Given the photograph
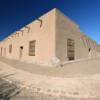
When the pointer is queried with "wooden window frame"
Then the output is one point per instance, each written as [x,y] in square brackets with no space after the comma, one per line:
[32,46]
[10,48]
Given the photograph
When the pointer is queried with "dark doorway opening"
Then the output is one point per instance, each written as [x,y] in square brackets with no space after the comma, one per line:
[21,52]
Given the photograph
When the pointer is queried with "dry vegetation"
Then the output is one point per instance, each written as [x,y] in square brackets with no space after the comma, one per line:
[8,89]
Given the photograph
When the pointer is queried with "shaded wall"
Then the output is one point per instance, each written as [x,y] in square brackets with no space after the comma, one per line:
[67,29]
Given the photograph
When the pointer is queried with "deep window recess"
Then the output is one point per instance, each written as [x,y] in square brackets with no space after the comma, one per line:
[32,48]
[10,48]
[1,51]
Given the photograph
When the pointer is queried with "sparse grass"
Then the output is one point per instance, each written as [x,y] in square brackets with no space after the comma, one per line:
[7,89]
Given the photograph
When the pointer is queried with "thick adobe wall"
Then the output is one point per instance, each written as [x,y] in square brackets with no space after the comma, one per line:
[66,29]
[51,32]
[44,36]
[42,31]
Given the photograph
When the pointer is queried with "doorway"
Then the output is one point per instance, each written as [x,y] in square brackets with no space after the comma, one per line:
[4,52]
[21,52]
[70,49]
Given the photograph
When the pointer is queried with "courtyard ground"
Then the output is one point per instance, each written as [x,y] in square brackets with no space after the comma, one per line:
[72,69]
[79,80]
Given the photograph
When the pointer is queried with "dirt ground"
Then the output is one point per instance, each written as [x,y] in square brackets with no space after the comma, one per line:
[74,69]
[74,80]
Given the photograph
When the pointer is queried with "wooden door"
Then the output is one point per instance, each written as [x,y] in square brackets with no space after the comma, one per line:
[70,49]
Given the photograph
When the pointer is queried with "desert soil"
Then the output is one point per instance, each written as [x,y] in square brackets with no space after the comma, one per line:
[78,79]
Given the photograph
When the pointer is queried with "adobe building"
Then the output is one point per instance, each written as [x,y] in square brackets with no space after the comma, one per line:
[51,39]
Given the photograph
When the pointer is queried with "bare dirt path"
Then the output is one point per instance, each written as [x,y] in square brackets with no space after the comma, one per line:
[75,69]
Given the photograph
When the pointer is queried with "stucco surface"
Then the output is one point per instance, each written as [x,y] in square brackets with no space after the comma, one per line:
[51,32]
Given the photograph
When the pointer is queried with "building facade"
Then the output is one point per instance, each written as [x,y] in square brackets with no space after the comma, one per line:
[49,40]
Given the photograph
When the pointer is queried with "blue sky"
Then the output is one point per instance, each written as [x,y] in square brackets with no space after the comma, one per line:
[14,14]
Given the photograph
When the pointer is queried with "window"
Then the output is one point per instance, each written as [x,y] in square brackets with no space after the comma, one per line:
[1,51]
[10,48]
[32,48]
[5,51]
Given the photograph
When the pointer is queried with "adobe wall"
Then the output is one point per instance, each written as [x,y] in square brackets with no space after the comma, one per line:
[42,32]
[66,29]
[51,32]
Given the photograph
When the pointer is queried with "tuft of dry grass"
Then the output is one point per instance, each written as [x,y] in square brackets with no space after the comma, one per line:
[8,89]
